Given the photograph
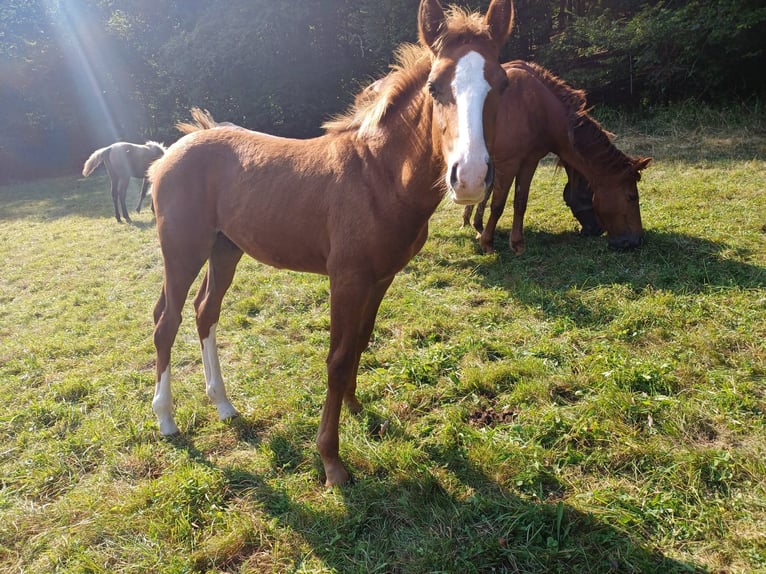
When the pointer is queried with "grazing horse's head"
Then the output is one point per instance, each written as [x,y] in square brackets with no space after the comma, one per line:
[465,82]
[615,201]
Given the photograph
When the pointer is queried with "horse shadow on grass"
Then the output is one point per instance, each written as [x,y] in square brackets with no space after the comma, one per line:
[557,267]
[448,515]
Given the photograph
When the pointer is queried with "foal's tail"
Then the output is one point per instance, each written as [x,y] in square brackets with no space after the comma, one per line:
[203,120]
[95,160]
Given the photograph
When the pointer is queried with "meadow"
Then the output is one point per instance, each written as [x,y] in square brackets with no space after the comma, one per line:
[572,409]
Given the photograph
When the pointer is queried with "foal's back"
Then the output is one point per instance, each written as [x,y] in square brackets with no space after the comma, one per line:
[276,198]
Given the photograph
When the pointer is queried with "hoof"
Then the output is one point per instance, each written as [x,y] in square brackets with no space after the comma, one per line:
[227,411]
[336,475]
[168,428]
[353,405]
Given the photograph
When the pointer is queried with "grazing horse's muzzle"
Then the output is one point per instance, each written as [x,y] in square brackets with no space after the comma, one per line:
[626,242]
[589,222]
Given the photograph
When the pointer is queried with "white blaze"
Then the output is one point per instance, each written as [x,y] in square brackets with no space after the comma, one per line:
[470,153]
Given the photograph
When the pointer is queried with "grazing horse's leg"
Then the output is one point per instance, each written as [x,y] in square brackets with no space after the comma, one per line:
[122,192]
[520,199]
[503,180]
[207,304]
[179,275]
[350,296]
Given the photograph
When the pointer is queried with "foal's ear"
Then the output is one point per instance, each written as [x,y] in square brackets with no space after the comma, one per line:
[431,21]
[499,19]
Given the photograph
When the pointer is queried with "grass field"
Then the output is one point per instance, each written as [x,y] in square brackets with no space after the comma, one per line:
[572,409]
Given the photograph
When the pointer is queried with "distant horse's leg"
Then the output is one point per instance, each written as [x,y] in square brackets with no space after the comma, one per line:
[180,272]
[520,199]
[207,304]
[499,197]
[368,324]
[142,195]
[350,296]
[114,181]
[122,192]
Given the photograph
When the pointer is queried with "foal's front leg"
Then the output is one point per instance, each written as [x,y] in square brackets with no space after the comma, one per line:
[368,324]
[350,297]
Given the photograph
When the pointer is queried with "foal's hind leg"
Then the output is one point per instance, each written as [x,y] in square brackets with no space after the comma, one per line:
[221,267]
[179,275]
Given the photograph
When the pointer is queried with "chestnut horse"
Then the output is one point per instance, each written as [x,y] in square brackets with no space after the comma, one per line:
[353,203]
[540,114]
[122,161]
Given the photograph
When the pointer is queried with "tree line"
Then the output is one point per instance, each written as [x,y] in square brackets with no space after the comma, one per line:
[76,75]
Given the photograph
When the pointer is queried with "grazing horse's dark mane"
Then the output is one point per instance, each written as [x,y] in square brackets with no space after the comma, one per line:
[588,137]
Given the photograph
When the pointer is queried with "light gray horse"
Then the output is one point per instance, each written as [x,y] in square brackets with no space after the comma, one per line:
[122,161]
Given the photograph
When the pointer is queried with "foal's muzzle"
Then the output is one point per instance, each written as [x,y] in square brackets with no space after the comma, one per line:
[479,192]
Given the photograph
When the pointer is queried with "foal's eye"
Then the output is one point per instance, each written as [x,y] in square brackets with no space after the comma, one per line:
[437,91]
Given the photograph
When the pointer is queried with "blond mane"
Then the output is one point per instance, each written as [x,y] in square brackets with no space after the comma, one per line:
[408,74]
[460,23]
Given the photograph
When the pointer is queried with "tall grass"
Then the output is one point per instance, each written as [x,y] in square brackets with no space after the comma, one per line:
[569,410]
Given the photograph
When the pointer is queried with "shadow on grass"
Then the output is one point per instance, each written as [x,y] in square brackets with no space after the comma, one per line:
[559,268]
[66,197]
[419,524]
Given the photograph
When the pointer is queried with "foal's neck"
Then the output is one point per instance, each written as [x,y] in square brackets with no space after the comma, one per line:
[413,148]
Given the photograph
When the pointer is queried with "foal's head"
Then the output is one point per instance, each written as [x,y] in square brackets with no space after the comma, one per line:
[465,83]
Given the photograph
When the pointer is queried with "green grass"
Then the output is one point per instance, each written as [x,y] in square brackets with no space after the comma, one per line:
[569,410]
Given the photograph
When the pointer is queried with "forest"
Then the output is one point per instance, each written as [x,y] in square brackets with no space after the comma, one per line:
[76,75]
